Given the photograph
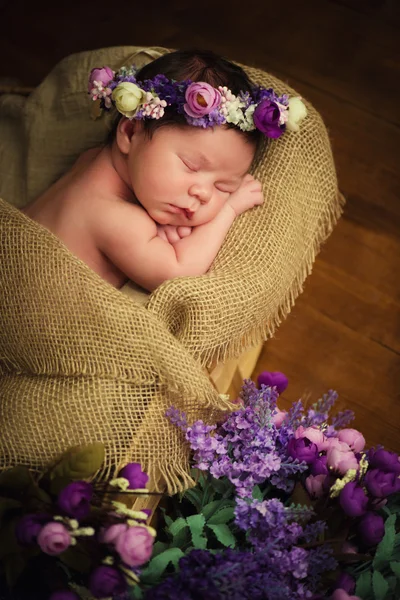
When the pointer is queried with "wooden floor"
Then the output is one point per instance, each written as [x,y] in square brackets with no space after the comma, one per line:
[344,56]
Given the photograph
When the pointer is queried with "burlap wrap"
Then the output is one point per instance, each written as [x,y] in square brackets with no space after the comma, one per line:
[79,360]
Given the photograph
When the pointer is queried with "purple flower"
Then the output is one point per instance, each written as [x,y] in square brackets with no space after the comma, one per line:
[135,546]
[134,474]
[273,379]
[353,499]
[28,528]
[267,119]
[371,529]
[102,75]
[106,581]
[64,595]
[319,466]
[74,499]
[345,582]
[302,449]
[54,538]
[381,484]
[385,460]
[201,99]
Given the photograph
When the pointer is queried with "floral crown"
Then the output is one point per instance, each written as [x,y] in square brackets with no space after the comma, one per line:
[201,104]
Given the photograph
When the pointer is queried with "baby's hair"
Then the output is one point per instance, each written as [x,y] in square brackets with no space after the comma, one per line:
[196,65]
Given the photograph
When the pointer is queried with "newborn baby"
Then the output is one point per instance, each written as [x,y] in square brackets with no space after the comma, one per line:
[157,201]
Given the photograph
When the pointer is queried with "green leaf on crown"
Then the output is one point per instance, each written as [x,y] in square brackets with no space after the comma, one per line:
[79,462]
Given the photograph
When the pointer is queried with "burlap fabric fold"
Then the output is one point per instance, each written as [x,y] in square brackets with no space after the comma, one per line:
[81,361]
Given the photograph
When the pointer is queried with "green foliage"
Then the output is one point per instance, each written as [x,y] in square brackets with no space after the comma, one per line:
[385,549]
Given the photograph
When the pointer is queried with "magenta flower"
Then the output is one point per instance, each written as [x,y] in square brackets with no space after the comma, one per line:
[74,499]
[266,118]
[371,529]
[346,582]
[311,433]
[319,466]
[103,75]
[134,546]
[134,474]
[106,581]
[110,535]
[302,449]
[385,461]
[340,594]
[273,379]
[29,527]
[353,499]
[353,438]
[201,98]
[64,595]
[381,484]
[315,485]
[54,538]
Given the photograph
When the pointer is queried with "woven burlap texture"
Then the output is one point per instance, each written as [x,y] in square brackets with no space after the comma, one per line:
[80,361]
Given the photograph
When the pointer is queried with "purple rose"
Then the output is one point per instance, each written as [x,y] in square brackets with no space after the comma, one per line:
[201,99]
[381,484]
[135,546]
[106,581]
[134,474]
[54,538]
[74,499]
[103,75]
[371,529]
[345,582]
[64,595]
[266,118]
[385,461]
[302,449]
[319,466]
[273,379]
[353,499]
[28,528]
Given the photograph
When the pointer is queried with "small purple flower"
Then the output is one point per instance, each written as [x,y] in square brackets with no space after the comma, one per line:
[385,461]
[273,379]
[64,595]
[381,484]
[28,528]
[302,449]
[267,119]
[345,582]
[74,499]
[319,466]
[106,581]
[353,499]
[102,75]
[54,538]
[201,99]
[371,529]
[134,474]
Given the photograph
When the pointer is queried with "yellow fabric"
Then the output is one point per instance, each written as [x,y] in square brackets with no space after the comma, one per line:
[80,361]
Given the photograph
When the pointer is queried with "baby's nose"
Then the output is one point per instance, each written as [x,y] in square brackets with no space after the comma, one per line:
[201,192]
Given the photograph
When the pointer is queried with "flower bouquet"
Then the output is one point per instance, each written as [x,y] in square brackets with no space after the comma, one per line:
[287,505]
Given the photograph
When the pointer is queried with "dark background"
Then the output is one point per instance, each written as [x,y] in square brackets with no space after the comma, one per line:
[344,56]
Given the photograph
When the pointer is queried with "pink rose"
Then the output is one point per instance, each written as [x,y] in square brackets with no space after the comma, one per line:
[333,442]
[312,433]
[279,417]
[104,75]
[54,538]
[341,461]
[110,534]
[353,438]
[340,594]
[314,485]
[134,546]
[201,99]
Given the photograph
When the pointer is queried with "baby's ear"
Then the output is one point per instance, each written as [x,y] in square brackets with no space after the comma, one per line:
[125,130]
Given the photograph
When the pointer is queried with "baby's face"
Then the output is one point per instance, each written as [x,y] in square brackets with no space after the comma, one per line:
[184,175]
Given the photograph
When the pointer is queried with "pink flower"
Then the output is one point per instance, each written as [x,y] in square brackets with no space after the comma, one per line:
[279,417]
[104,75]
[134,546]
[54,538]
[333,442]
[312,433]
[314,485]
[341,461]
[201,99]
[340,594]
[353,438]
[110,534]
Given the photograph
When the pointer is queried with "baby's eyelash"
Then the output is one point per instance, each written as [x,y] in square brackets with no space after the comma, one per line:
[189,166]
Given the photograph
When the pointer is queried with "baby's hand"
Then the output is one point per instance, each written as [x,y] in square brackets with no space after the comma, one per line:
[172,234]
[248,194]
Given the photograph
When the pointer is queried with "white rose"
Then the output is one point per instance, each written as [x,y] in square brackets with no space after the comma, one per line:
[297,111]
[128,97]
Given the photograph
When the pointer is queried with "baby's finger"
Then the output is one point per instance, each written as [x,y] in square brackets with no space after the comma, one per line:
[184,231]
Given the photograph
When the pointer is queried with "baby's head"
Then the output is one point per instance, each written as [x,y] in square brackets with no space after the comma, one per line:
[183,147]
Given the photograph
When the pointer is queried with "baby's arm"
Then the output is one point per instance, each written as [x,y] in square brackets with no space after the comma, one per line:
[128,237]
